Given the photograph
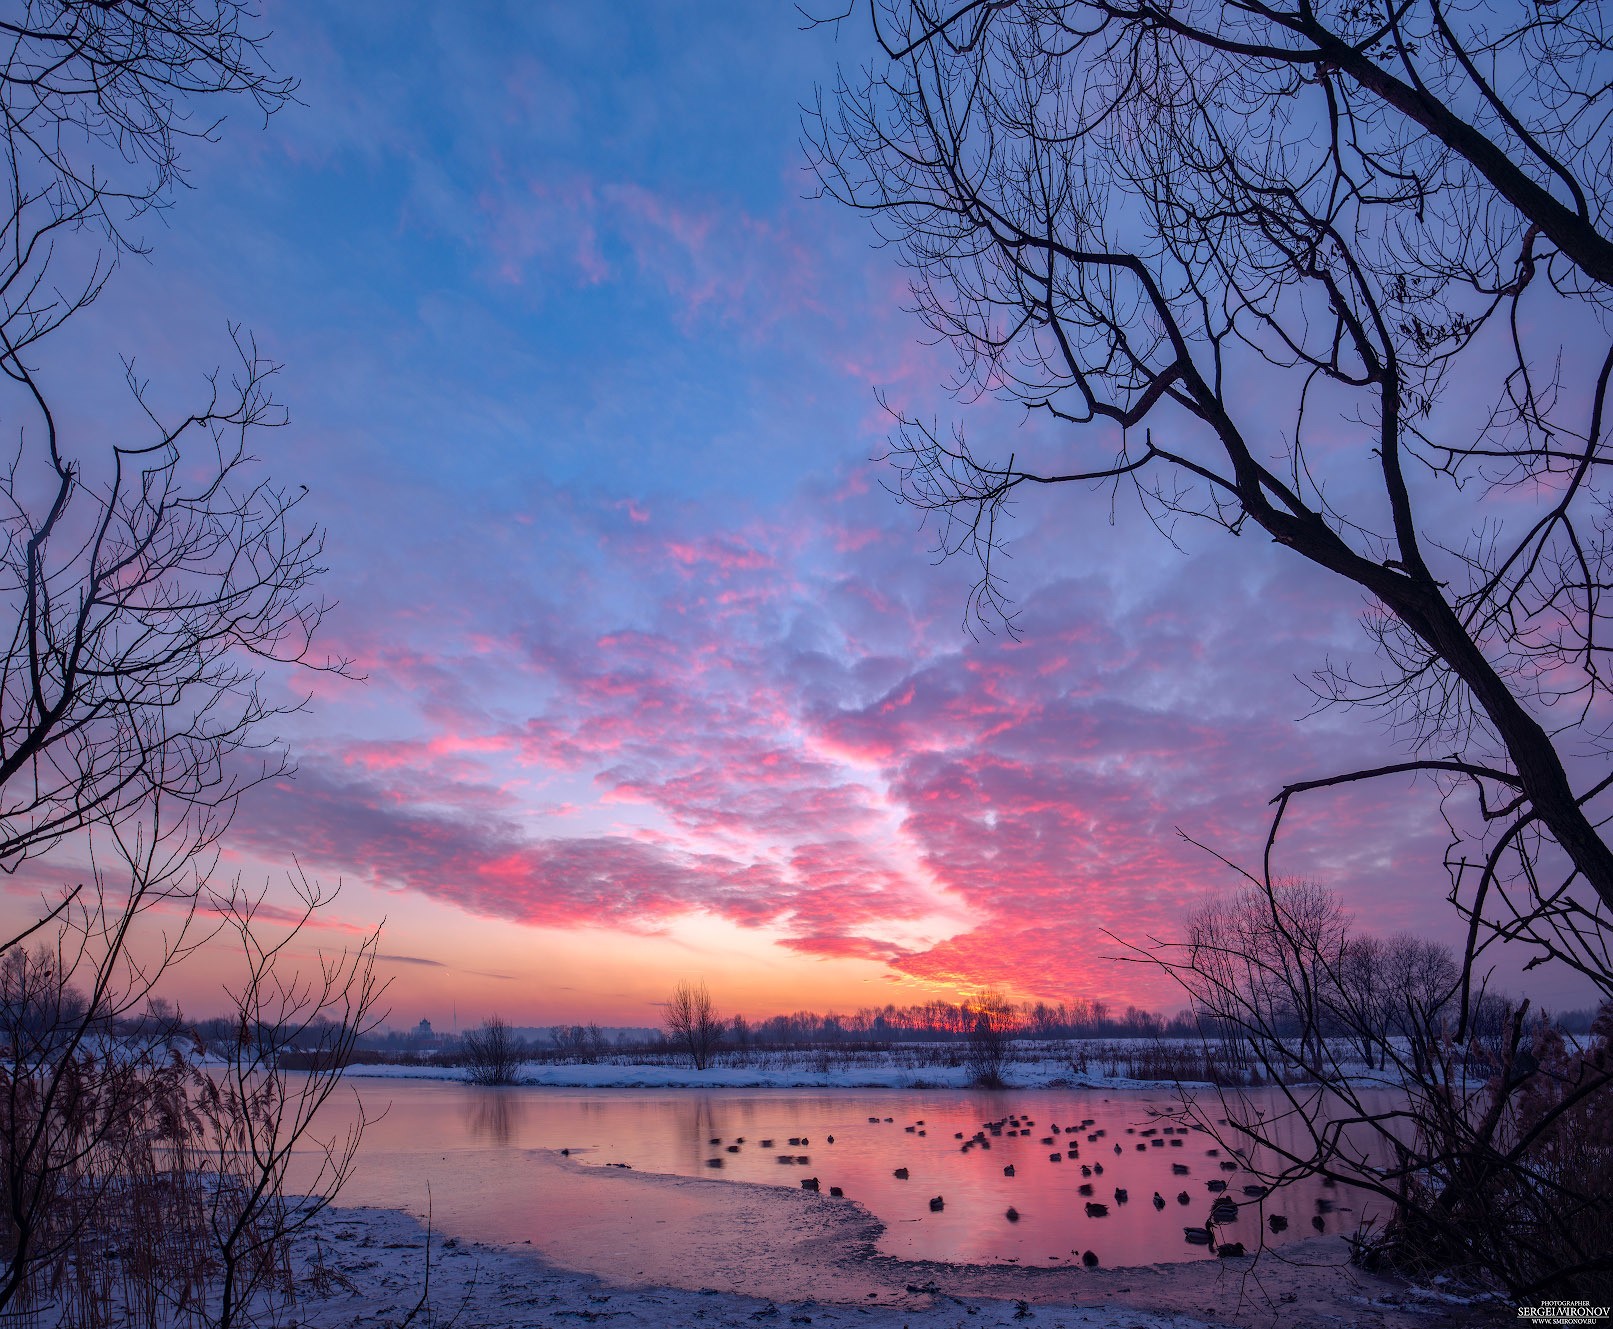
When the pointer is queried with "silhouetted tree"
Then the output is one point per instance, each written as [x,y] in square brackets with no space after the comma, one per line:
[1493,1153]
[257,1115]
[149,577]
[1336,274]
[991,1024]
[578,1042]
[493,1054]
[693,1026]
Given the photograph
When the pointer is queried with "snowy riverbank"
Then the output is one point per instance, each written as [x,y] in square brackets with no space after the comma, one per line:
[1048,1074]
[368,1268]
[1108,1063]
[372,1272]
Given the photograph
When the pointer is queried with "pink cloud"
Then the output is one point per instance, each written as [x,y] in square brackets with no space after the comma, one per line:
[711,258]
[552,221]
[796,737]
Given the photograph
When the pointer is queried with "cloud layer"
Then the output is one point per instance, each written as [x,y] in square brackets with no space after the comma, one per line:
[583,388]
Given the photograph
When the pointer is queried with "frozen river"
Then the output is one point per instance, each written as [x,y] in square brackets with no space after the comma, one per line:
[490,1160]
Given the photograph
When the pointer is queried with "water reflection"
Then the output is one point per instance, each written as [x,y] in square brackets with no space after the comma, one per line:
[494,1116]
[893,1152]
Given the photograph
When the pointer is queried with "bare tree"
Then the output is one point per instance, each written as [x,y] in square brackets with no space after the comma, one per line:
[115,1136]
[1340,274]
[148,581]
[692,1023]
[493,1054]
[258,1115]
[1493,1155]
[70,1087]
[991,1025]
[583,1043]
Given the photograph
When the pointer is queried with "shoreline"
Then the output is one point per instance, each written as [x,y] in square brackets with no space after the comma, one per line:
[371,1273]
[820,1266]
[642,1076]
[1025,1077]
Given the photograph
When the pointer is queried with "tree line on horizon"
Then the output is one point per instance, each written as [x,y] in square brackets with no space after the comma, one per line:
[1364,972]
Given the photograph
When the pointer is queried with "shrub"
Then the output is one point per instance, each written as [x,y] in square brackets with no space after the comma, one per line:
[493,1054]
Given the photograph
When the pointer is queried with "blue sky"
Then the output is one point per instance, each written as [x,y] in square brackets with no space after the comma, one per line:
[660,681]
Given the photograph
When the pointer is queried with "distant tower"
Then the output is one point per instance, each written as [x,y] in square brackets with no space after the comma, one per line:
[423,1029]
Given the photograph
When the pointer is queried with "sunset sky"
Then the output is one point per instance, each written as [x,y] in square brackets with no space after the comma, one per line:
[660,681]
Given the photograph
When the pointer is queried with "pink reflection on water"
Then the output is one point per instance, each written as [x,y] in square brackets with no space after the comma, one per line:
[469,1144]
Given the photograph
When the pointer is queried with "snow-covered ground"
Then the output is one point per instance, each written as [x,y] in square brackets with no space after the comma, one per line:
[1108,1063]
[806,1070]
[367,1269]
[371,1272]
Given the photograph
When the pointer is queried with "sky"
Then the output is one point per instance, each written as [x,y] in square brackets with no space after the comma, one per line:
[659,680]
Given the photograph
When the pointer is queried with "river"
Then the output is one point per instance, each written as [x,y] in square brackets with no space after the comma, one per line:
[489,1163]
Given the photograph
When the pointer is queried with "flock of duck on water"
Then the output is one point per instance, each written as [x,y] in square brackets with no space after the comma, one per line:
[1223,1209]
